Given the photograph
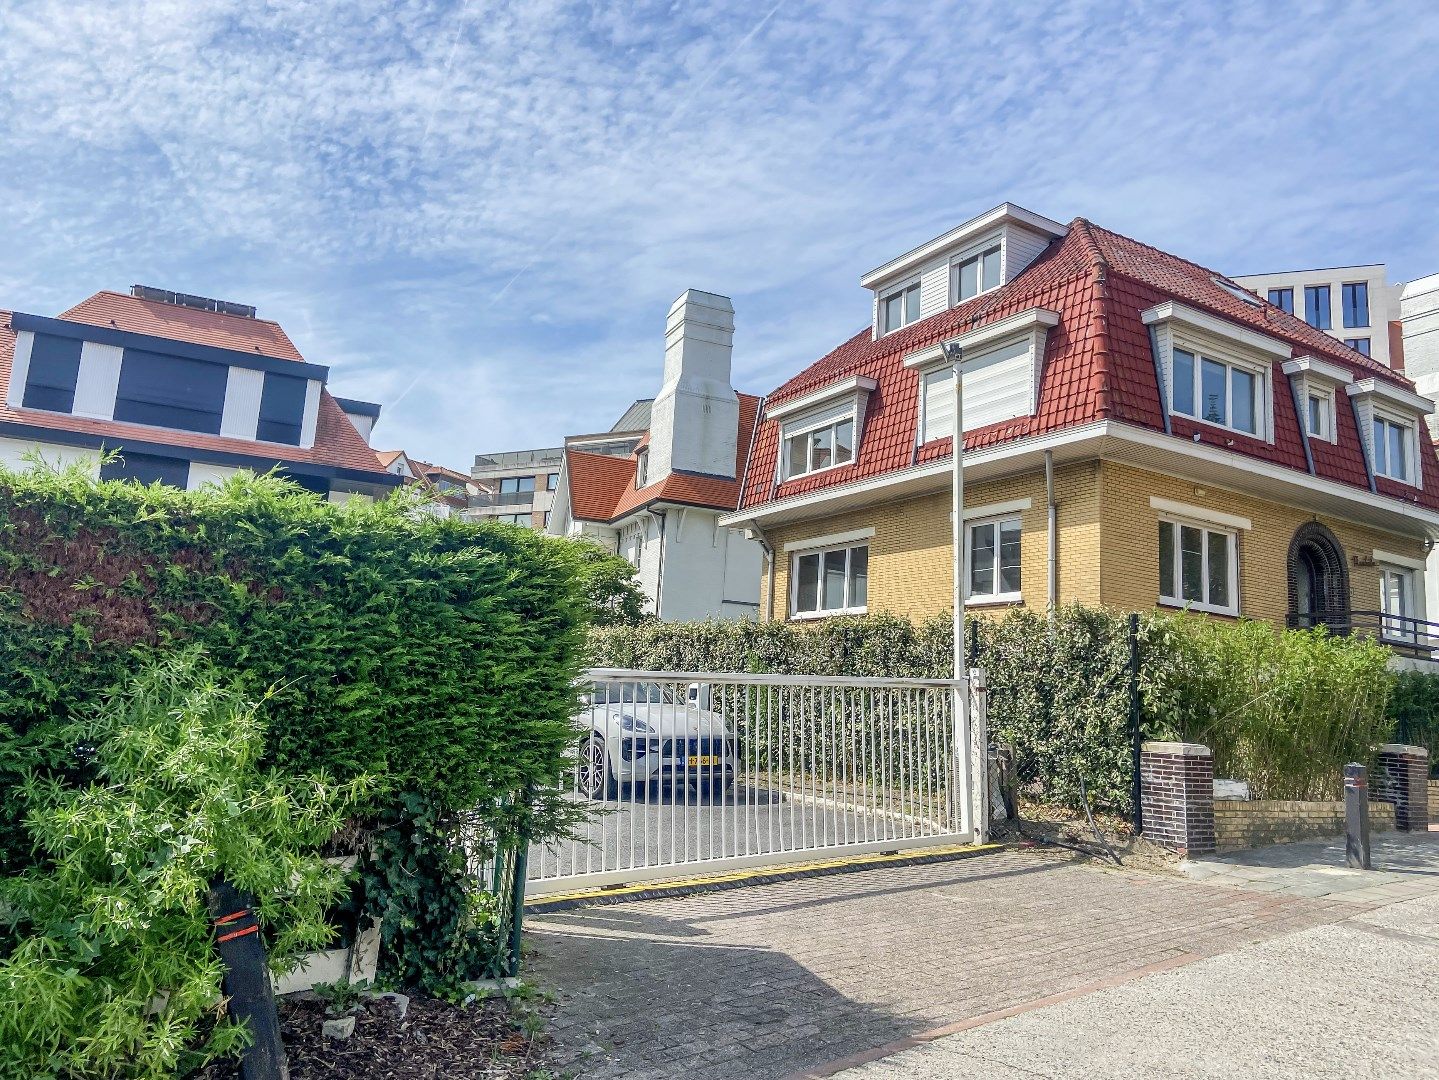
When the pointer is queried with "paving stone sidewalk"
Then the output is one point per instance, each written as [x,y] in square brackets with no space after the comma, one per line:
[1406,865]
[765,981]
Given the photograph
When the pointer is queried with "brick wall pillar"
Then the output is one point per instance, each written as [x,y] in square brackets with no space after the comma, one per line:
[1178,796]
[1401,776]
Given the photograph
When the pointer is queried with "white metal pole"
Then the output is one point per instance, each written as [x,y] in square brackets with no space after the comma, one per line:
[972,806]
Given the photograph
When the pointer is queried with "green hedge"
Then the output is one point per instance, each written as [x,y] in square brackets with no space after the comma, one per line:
[1414,708]
[1059,701]
[435,655]
[1284,710]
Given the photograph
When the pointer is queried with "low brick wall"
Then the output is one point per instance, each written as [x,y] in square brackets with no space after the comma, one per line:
[1434,800]
[1259,823]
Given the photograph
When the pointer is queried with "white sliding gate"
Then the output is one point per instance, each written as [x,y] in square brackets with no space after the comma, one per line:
[695,772]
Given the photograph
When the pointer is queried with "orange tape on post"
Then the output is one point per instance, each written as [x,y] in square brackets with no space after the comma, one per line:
[237,933]
[223,919]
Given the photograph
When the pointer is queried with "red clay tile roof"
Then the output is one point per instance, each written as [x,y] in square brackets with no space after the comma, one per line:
[597,483]
[1098,365]
[337,443]
[125,312]
[603,488]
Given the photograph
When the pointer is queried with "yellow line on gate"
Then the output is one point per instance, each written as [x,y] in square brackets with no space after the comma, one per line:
[755,875]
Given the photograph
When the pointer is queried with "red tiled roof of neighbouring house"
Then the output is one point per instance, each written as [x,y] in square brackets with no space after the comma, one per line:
[159,319]
[1098,365]
[603,488]
[337,443]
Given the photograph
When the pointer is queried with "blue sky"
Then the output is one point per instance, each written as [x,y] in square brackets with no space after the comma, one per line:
[478,214]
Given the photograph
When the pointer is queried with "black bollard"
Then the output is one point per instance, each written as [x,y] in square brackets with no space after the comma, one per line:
[247,982]
[1356,817]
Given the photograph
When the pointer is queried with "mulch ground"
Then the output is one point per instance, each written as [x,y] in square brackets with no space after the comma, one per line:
[480,1041]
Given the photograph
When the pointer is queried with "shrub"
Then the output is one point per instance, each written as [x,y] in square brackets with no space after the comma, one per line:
[437,656]
[108,966]
[1285,711]
[1414,708]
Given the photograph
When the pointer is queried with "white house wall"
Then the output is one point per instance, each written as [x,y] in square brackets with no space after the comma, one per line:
[13,451]
[709,572]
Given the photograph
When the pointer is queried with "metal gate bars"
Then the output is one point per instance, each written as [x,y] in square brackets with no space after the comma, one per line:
[697,772]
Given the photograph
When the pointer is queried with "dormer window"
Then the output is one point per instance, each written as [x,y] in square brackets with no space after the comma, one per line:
[976,274]
[1391,449]
[820,444]
[642,469]
[1214,371]
[1217,391]
[1319,415]
[1389,418]
[900,308]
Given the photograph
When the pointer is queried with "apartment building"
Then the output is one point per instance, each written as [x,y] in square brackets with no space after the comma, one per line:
[518,486]
[656,495]
[187,389]
[1352,304]
[1139,431]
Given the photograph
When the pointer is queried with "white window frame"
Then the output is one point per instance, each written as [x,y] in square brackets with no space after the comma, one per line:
[1397,630]
[905,320]
[1177,600]
[642,469]
[1411,445]
[976,255]
[802,430]
[1328,429]
[925,435]
[849,608]
[1260,372]
[971,598]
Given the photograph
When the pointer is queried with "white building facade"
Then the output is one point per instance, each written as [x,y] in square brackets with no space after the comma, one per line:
[1353,304]
[660,505]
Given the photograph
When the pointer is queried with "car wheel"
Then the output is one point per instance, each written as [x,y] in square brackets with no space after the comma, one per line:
[595,779]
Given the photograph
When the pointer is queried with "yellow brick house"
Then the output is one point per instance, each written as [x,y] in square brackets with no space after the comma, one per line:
[1138,430]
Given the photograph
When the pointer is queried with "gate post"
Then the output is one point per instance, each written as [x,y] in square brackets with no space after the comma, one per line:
[977,690]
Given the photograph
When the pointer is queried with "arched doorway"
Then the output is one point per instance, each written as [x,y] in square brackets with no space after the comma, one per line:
[1318,579]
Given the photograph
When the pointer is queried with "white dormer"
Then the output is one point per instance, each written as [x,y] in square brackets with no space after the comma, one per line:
[1390,421]
[1316,384]
[822,429]
[1002,364]
[970,259]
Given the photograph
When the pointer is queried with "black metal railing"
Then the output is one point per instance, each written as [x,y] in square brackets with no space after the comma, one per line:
[1405,635]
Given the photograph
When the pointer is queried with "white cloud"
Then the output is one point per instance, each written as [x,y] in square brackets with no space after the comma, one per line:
[502,199]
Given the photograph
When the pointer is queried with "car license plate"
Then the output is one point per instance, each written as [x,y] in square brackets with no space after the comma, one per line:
[697,760]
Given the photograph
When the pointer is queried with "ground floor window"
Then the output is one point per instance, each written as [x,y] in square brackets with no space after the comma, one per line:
[1397,601]
[833,581]
[1198,567]
[992,556]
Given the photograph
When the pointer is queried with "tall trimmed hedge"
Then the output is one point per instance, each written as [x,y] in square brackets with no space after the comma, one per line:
[437,656]
[1285,710]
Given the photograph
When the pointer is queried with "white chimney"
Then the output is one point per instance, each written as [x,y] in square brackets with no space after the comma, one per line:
[694,424]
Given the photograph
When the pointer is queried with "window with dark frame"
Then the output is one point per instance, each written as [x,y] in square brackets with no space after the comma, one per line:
[1283,299]
[1358,344]
[1316,307]
[1354,299]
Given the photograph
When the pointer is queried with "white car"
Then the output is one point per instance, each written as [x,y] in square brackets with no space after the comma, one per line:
[641,733]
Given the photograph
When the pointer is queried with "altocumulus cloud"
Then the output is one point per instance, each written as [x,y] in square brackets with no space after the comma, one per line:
[481,211]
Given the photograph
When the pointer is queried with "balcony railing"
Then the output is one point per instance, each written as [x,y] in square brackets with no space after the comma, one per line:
[503,498]
[1407,636]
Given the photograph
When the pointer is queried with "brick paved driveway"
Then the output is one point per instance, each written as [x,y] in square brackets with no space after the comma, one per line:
[764,981]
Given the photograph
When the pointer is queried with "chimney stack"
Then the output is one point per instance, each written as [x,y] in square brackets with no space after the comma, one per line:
[694,424]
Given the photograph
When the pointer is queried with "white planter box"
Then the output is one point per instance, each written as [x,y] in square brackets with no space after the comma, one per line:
[355,964]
